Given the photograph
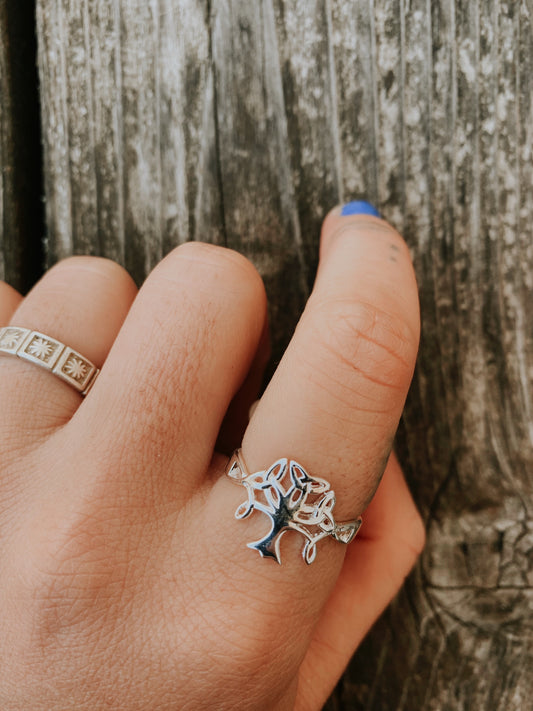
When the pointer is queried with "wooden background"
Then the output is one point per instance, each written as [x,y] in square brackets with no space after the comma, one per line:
[242,122]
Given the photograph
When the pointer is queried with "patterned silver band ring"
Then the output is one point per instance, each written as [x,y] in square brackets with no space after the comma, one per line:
[292,500]
[59,359]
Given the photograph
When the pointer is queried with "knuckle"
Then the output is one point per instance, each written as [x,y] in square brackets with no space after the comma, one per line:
[216,277]
[214,257]
[103,265]
[108,276]
[363,346]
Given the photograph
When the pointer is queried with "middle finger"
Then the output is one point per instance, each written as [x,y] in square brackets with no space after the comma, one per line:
[183,352]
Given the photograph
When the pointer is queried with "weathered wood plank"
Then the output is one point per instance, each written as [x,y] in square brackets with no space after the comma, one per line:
[460,635]
[354,51]
[310,95]
[242,123]
[128,129]
[21,221]
[388,30]
[260,209]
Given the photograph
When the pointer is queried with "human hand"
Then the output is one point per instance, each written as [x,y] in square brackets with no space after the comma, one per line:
[126,579]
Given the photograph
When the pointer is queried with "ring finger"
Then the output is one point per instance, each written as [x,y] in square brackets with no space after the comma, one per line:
[80,302]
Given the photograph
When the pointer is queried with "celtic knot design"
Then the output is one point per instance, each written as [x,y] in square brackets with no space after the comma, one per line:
[292,500]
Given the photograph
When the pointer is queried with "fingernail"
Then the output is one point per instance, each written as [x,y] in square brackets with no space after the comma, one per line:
[359,207]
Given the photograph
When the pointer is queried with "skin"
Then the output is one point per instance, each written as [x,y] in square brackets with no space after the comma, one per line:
[126,580]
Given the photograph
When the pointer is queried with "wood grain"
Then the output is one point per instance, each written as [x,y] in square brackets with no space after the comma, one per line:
[242,123]
[260,213]
[459,635]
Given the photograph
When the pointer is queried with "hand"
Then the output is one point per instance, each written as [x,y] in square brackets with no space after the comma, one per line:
[126,579]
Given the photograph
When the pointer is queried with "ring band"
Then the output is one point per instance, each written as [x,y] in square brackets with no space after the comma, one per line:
[292,500]
[59,359]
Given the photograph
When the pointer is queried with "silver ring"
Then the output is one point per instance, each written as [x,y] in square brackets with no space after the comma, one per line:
[59,359]
[292,500]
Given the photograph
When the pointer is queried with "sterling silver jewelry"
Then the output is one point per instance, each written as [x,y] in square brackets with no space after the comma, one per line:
[59,359]
[292,500]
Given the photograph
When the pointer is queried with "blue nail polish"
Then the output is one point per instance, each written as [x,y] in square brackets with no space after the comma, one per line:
[359,207]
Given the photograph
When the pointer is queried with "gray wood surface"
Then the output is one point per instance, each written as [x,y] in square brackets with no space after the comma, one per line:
[242,123]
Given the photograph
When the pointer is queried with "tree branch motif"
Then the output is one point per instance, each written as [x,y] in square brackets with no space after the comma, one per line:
[303,503]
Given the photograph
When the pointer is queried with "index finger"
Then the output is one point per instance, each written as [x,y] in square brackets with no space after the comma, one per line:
[333,406]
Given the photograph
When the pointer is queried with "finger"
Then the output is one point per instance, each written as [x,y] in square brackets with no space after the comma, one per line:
[80,302]
[9,300]
[341,386]
[181,356]
[374,569]
[333,405]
